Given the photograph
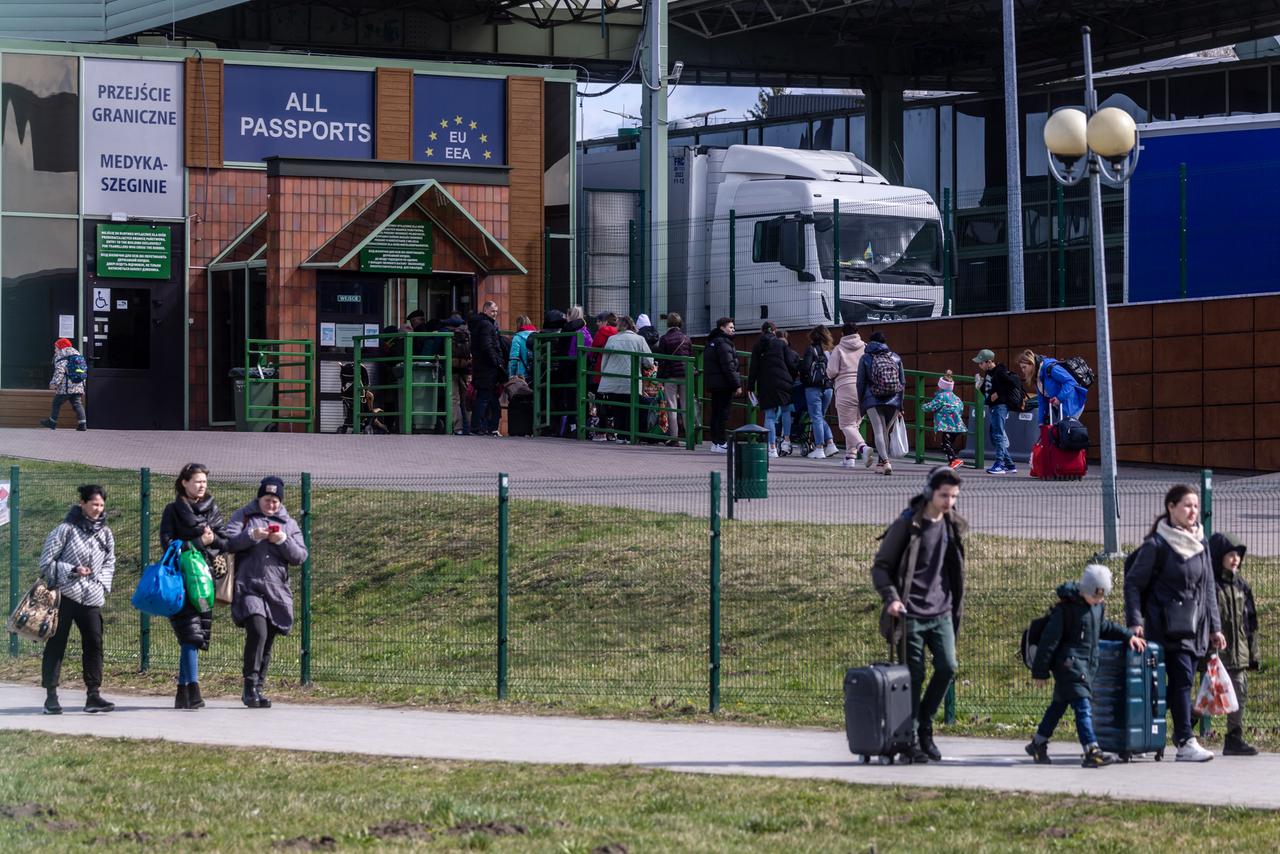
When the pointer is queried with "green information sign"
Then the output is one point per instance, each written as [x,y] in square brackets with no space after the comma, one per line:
[133,252]
[402,247]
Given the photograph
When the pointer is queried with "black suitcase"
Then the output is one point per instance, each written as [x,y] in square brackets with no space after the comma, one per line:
[520,415]
[877,709]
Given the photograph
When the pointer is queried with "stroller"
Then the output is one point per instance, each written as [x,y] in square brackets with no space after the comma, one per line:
[370,422]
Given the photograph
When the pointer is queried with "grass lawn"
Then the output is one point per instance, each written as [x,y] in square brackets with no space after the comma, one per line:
[57,792]
[608,606]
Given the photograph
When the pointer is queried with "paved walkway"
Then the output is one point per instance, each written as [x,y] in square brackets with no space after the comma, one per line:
[693,748]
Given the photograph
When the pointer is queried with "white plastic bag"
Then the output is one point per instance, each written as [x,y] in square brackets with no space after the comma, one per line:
[898,446]
[1217,695]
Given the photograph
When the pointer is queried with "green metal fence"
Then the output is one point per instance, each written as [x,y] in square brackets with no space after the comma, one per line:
[419,378]
[291,382]
[630,593]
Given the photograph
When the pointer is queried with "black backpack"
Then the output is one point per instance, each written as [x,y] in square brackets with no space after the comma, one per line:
[1079,370]
[818,368]
[1070,435]
[1031,635]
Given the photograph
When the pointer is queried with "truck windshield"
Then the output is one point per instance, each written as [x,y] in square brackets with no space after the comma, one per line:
[875,246]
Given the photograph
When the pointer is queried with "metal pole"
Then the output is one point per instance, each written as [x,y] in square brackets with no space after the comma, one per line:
[733,264]
[729,493]
[947,249]
[1013,164]
[15,511]
[304,653]
[1106,412]
[1062,246]
[1182,229]
[835,248]
[1206,501]
[654,154]
[503,580]
[714,680]
[144,558]
[633,267]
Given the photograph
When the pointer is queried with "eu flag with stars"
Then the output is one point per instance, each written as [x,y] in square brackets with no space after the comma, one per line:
[460,121]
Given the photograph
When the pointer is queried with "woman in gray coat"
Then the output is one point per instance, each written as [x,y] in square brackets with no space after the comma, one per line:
[1170,597]
[266,542]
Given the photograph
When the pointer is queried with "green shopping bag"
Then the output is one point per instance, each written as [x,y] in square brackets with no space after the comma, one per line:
[197,579]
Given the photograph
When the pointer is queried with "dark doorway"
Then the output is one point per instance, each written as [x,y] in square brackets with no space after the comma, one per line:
[346,306]
[237,311]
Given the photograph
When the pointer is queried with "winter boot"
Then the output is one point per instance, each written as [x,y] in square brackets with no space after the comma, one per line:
[926,744]
[194,700]
[263,702]
[180,700]
[1039,751]
[1235,745]
[49,422]
[95,703]
[51,704]
[250,695]
[1096,757]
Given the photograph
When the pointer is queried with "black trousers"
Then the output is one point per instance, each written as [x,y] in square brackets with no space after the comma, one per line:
[74,399]
[89,621]
[721,403]
[259,637]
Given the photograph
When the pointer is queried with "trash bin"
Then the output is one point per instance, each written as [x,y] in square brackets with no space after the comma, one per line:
[1022,428]
[750,461]
[263,394]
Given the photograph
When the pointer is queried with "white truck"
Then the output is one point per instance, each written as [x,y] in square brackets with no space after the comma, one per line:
[784,240]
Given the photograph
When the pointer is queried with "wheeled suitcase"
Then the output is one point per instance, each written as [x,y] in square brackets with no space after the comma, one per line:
[1129,700]
[520,415]
[877,709]
[1049,462]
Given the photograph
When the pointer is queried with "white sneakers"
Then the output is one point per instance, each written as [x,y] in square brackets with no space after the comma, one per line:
[816,454]
[786,447]
[773,452]
[830,449]
[1191,751]
[719,449]
[849,463]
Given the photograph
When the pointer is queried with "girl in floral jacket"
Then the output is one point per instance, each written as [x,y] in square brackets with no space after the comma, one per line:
[948,417]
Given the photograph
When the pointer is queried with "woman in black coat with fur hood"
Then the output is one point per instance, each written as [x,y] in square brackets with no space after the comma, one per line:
[193,516]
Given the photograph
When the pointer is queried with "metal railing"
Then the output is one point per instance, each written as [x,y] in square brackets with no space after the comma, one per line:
[404,360]
[293,383]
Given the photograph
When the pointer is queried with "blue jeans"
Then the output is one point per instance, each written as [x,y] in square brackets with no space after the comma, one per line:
[774,417]
[1084,719]
[188,664]
[996,416]
[819,401]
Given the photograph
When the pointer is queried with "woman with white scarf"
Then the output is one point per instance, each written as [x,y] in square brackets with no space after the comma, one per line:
[1170,597]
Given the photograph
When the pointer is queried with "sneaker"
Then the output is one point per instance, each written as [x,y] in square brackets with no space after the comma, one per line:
[49,422]
[997,469]
[51,704]
[1039,751]
[830,449]
[94,703]
[1096,757]
[914,756]
[719,449]
[871,457]
[773,452]
[1235,745]
[816,454]
[1010,468]
[785,447]
[81,427]
[955,464]
[888,469]
[849,463]
[1191,751]
[928,747]
[599,437]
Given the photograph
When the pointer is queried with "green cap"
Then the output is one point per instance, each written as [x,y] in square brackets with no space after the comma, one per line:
[984,356]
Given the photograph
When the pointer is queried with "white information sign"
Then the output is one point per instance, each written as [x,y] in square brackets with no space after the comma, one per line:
[4,503]
[66,325]
[132,120]
[328,335]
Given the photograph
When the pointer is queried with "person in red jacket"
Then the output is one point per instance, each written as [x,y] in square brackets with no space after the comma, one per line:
[607,327]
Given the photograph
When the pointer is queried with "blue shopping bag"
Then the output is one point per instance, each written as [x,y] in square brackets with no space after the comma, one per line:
[160,591]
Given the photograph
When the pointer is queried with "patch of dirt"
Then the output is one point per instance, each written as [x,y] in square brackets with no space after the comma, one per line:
[400,829]
[611,848]
[493,828]
[28,811]
[137,836]
[186,836]
[62,826]
[304,843]
[1056,832]
[909,794]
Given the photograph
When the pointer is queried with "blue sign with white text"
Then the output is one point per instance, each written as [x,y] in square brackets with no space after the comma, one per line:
[296,112]
[461,121]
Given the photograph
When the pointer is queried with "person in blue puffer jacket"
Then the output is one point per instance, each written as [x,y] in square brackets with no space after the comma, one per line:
[1055,384]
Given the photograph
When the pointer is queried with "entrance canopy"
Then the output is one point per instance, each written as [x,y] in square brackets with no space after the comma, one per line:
[416,201]
[247,249]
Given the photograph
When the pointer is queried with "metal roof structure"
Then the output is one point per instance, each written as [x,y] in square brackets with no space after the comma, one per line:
[96,20]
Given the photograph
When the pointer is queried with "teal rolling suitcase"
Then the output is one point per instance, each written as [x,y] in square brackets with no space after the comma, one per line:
[1129,700]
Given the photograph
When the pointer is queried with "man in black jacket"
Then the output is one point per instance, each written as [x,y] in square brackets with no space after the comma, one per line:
[489,369]
[773,371]
[721,379]
[1003,393]
[919,573]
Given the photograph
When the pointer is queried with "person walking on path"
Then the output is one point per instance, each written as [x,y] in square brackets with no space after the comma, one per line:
[919,574]
[488,371]
[818,392]
[79,561]
[881,383]
[948,418]
[195,518]
[1056,385]
[773,370]
[842,368]
[721,379]
[70,370]
[671,372]
[1170,597]
[1003,393]
[266,541]
[1068,650]
[617,370]
[1239,615]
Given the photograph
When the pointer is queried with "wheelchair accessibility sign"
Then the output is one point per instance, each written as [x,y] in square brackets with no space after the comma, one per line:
[102,299]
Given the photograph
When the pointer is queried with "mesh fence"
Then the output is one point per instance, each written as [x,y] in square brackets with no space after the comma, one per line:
[609,597]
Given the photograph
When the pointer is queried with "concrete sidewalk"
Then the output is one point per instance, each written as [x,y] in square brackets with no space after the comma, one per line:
[693,748]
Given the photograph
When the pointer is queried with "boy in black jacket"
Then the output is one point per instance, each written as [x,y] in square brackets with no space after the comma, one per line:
[1069,649]
[1003,392]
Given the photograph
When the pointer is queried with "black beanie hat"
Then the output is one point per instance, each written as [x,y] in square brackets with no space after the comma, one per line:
[271,485]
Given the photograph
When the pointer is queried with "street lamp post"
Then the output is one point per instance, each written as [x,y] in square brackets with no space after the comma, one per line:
[1098,145]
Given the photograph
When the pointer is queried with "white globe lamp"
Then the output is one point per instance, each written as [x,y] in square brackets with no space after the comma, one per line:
[1112,133]
[1066,134]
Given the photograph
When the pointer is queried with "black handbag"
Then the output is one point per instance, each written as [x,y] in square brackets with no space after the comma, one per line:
[1181,619]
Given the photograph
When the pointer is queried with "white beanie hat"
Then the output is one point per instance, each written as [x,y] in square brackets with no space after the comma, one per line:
[1096,580]
[642,321]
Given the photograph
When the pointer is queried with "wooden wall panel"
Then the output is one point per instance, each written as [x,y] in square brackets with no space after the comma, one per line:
[393,114]
[525,156]
[202,93]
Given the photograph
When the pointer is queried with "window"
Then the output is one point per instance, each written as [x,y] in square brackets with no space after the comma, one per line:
[38,290]
[1248,91]
[920,149]
[1198,96]
[722,137]
[858,136]
[1130,97]
[795,135]
[830,134]
[765,246]
[41,114]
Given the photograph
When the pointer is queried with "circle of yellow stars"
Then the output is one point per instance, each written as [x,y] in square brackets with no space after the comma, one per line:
[433,136]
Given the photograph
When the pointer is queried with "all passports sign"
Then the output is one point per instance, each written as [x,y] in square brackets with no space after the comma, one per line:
[403,248]
[132,115]
[297,112]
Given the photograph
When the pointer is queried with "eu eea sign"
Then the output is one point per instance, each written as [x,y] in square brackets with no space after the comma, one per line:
[460,121]
[296,112]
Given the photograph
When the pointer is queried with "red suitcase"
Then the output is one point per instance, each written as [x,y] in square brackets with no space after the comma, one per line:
[1049,462]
